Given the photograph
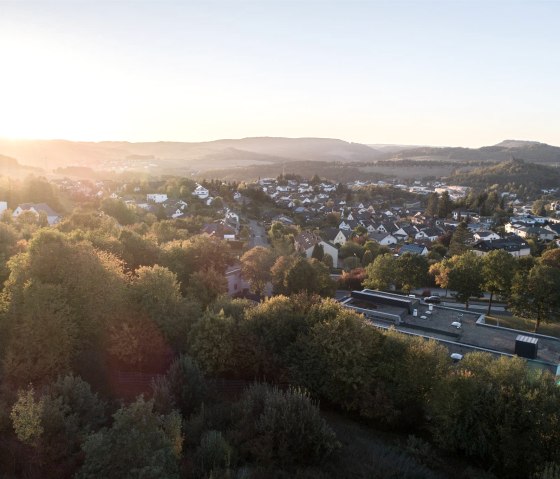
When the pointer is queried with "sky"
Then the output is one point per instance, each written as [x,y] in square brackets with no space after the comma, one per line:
[461,73]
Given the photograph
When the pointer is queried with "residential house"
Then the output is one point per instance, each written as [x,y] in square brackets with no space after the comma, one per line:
[306,241]
[514,245]
[37,208]
[430,233]
[384,239]
[156,197]
[235,282]
[200,192]
[219,230]
[413,248]
[485,236]
[336,236]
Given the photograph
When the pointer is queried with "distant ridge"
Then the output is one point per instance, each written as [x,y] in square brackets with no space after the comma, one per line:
[174,155]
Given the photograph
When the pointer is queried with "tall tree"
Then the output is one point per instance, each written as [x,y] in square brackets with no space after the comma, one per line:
[498,269]
[459,240]
[534,295]
[255,267]
[432,206]
[465,276]
[381,273]
[412,271]
[445,205]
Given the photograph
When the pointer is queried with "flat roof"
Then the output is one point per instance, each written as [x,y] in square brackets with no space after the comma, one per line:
[472,335]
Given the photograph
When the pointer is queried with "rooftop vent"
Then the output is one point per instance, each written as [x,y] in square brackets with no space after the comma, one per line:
[526,346]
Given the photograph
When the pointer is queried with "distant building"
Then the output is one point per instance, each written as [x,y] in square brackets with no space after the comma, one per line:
[201,192]
[306,241]
[514,245]
[156,197]
[37,208]
[413,248]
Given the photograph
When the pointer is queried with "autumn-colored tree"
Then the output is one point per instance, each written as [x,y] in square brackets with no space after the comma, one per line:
[255,268]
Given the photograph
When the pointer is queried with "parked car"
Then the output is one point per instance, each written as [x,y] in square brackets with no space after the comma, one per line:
[433,299]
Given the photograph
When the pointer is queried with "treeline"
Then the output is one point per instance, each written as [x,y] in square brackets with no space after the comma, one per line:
[525,179]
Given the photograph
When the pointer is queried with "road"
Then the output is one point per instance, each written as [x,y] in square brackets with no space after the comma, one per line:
[258,235]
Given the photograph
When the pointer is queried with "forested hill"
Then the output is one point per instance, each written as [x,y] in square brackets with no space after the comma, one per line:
[11,166]
[506,150]
[512,175]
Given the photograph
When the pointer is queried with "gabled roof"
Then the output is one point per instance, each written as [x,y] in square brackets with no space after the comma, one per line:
[306,240]
[39,207]
[412,248]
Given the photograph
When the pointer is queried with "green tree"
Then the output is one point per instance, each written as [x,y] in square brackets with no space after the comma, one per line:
[255,268]
[338,361]
[432,206]
[44,340]
[465,276]
[497,412]
[318,252]
[349,249]
[119,210]
[534,295]
[459,240]
[207,285]
[498,269]
[140,443]
[292,274]
[381,273]
[445,205]
[411,271]
[551,257]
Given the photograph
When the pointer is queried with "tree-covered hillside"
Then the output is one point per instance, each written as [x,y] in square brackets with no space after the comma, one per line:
[517,176]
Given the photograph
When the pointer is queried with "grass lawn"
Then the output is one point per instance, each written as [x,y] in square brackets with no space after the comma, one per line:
[514,322]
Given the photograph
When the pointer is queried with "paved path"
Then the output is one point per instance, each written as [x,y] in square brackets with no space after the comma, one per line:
[258,235]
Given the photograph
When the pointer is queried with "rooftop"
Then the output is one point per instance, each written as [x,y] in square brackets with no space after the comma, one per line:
[436,322]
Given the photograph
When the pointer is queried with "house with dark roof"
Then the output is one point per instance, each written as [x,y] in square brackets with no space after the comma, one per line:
[37,209]
[384,239]
[514,245]
[306,241]
[413,248]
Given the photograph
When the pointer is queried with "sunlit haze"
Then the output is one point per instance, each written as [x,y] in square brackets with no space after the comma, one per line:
[440,73]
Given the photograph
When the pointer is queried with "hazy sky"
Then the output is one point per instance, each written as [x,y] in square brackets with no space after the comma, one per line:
[419,72]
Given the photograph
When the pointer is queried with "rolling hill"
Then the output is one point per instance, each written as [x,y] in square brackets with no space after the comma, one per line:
[231,153]
[511,175]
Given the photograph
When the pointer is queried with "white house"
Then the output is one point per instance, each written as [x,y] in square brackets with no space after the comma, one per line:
[306,242]
[37,208]
[235,283]
[201,192]
[3,206]
[486,236]
[156,197]
[384,239]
